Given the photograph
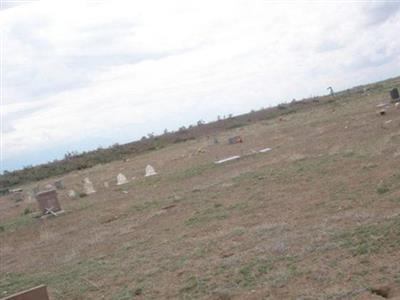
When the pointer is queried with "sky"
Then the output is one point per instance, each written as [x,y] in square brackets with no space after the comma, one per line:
[76,75]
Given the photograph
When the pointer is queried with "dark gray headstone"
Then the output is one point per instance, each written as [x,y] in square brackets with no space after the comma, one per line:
[394,94]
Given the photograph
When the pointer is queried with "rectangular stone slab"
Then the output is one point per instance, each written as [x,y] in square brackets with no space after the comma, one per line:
[227,159]
[48,200]
[36,293]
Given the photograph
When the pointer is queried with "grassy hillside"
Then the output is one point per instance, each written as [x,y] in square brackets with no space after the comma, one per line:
[317,217]
[79,161]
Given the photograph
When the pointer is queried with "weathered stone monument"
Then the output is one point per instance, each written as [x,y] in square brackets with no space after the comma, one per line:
[88,186]
[106,185]
[149,171]
[48,202]
[235,140]
[394,94]
[59,184]
[121,179]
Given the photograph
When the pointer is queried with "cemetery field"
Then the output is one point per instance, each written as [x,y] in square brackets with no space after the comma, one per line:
[317,217]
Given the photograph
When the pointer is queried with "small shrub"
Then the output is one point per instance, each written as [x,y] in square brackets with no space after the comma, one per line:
[183,139]
[138,291]
[82,195]
[382,189]
[238,125]
[27,211]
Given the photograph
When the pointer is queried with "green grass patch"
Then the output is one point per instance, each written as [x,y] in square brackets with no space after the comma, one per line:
[241,206]
[150,204]
[389,184]
[66,283]
[370,238]
[275,270]
[251,273]
[207,215]
[382,189]
[192,171]
[124,294]
[252,176]
[194,286]
[238,125]
[20,221]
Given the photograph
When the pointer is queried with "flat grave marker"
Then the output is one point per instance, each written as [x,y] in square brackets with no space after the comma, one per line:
[36,293]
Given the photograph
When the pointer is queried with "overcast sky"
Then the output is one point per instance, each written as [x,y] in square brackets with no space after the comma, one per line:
[80,74]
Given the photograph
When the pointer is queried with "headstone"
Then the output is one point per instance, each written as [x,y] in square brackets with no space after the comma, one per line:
[36,293]
[235,140]
[72,194]
[106,185]
[59,184]
[121,179]
[150,171]
[394,94]
[48,200]
[88,186]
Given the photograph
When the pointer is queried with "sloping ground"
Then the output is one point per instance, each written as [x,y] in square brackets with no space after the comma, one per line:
[318,217]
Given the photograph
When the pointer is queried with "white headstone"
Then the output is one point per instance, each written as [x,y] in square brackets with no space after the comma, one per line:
[150,171]
[121,179]
[71,194]
[88,186]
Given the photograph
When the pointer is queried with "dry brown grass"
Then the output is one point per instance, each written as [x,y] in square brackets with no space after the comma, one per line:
[315,218]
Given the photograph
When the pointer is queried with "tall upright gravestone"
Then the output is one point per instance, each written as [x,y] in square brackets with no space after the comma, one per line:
[149,171]
[394,94]
[121,179]
[88,186]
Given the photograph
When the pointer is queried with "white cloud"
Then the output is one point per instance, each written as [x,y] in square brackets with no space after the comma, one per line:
[81,70]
